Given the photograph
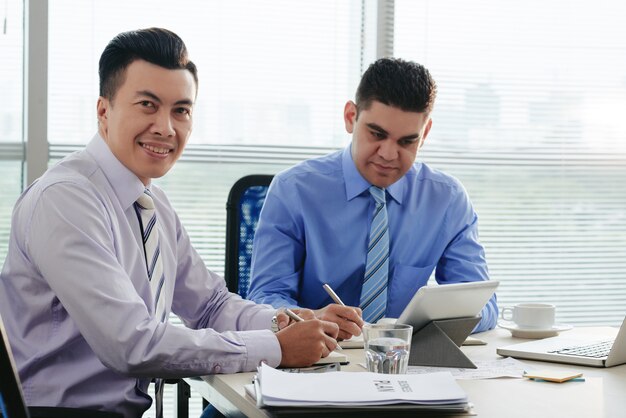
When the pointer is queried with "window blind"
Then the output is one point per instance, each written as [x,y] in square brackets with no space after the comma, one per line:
[270,73]
[11,86]
[528,117]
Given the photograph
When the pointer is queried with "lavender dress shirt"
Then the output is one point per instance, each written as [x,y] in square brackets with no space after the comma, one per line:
[77,304]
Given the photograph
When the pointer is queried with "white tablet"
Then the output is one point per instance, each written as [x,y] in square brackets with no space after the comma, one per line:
[447,301]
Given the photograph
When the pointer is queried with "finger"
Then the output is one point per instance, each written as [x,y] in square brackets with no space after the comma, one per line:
[330,343]
[352,314]
[305,313]
[282,319]
[330,328]
[343,335]
[348,327]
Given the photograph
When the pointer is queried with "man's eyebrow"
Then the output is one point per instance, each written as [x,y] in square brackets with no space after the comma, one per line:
[149,94]
[156,98]
[375,127]
[187,102]
[412,137]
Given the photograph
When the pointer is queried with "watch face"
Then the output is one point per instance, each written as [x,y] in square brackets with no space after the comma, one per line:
[274,324]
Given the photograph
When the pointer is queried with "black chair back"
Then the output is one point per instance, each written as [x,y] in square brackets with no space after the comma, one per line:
[243,208]
[11,398]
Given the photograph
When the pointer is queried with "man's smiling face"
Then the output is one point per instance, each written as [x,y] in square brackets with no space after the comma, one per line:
[148,121]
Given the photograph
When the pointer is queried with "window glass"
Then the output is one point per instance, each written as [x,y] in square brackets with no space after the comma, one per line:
[11,70]
[11,86]
[273,72]
[528,117]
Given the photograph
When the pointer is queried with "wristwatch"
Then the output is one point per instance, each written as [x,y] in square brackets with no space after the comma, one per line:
[274,327]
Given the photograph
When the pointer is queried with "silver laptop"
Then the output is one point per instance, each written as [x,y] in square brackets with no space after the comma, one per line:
[583,350]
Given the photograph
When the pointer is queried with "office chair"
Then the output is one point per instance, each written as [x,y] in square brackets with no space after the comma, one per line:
[243,208]
[11,398]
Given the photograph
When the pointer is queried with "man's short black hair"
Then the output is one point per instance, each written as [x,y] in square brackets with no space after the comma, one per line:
[154,45]
[398,83]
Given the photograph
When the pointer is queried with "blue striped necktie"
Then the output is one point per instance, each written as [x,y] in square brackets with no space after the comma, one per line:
[374,291]
[144,207]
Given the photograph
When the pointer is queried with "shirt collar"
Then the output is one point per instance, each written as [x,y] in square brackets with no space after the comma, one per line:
[356,184]
[125,184]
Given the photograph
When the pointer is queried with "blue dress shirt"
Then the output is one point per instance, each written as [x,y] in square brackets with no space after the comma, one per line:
[314,229]
[77,304]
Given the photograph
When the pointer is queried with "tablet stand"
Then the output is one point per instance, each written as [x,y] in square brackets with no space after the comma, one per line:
[437,343]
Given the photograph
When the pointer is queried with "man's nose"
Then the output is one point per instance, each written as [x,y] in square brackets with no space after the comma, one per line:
[163,125]
[388,150]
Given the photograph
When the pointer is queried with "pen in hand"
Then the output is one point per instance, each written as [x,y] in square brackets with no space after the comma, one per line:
[291,314]
[333,295]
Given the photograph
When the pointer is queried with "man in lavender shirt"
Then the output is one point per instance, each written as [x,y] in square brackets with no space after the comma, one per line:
[74,289]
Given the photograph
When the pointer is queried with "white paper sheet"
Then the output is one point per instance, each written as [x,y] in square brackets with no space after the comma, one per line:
[351,389]
[491,369]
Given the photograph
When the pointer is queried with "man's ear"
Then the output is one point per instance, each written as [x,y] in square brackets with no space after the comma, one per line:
[102,112]
[429,125]
[349,115]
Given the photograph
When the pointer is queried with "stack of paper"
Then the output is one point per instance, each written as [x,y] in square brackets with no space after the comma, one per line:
[346,389]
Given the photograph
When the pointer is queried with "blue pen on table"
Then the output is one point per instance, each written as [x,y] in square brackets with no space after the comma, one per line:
[291,314]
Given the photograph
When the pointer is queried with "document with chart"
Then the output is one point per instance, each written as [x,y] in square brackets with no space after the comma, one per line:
[350,389]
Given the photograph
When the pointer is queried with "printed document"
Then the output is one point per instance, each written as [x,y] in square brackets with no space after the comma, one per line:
[278,388]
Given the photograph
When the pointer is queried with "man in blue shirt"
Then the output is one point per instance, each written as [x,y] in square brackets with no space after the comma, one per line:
[315,224]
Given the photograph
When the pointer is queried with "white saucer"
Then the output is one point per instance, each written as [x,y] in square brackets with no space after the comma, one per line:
[516,331]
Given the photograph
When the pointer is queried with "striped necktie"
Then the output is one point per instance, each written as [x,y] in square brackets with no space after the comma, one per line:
[144,207]
[374,290]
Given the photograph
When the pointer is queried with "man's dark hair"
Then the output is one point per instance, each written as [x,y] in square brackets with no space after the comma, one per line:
[155,45]
[394,82]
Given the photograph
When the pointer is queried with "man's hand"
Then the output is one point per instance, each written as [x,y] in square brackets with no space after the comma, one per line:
[348,318]
[304,343]
[283,320]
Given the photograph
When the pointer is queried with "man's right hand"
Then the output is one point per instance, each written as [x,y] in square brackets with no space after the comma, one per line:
[304,343]
[348,318]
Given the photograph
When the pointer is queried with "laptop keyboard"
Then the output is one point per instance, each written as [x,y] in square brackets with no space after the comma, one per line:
[596,350]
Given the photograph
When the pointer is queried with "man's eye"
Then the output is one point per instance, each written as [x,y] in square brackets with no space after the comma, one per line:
[378,135]
[183,111]
[146,103]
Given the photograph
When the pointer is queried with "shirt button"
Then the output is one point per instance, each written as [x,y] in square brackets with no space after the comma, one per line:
[261,362]
[216,369]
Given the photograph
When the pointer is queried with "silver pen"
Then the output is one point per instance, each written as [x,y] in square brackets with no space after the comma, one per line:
[333,295]
[291,314]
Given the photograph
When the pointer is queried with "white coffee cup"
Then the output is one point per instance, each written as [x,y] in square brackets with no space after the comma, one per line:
[530,315]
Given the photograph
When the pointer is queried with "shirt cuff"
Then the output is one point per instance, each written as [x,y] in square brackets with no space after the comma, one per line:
[262,347]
